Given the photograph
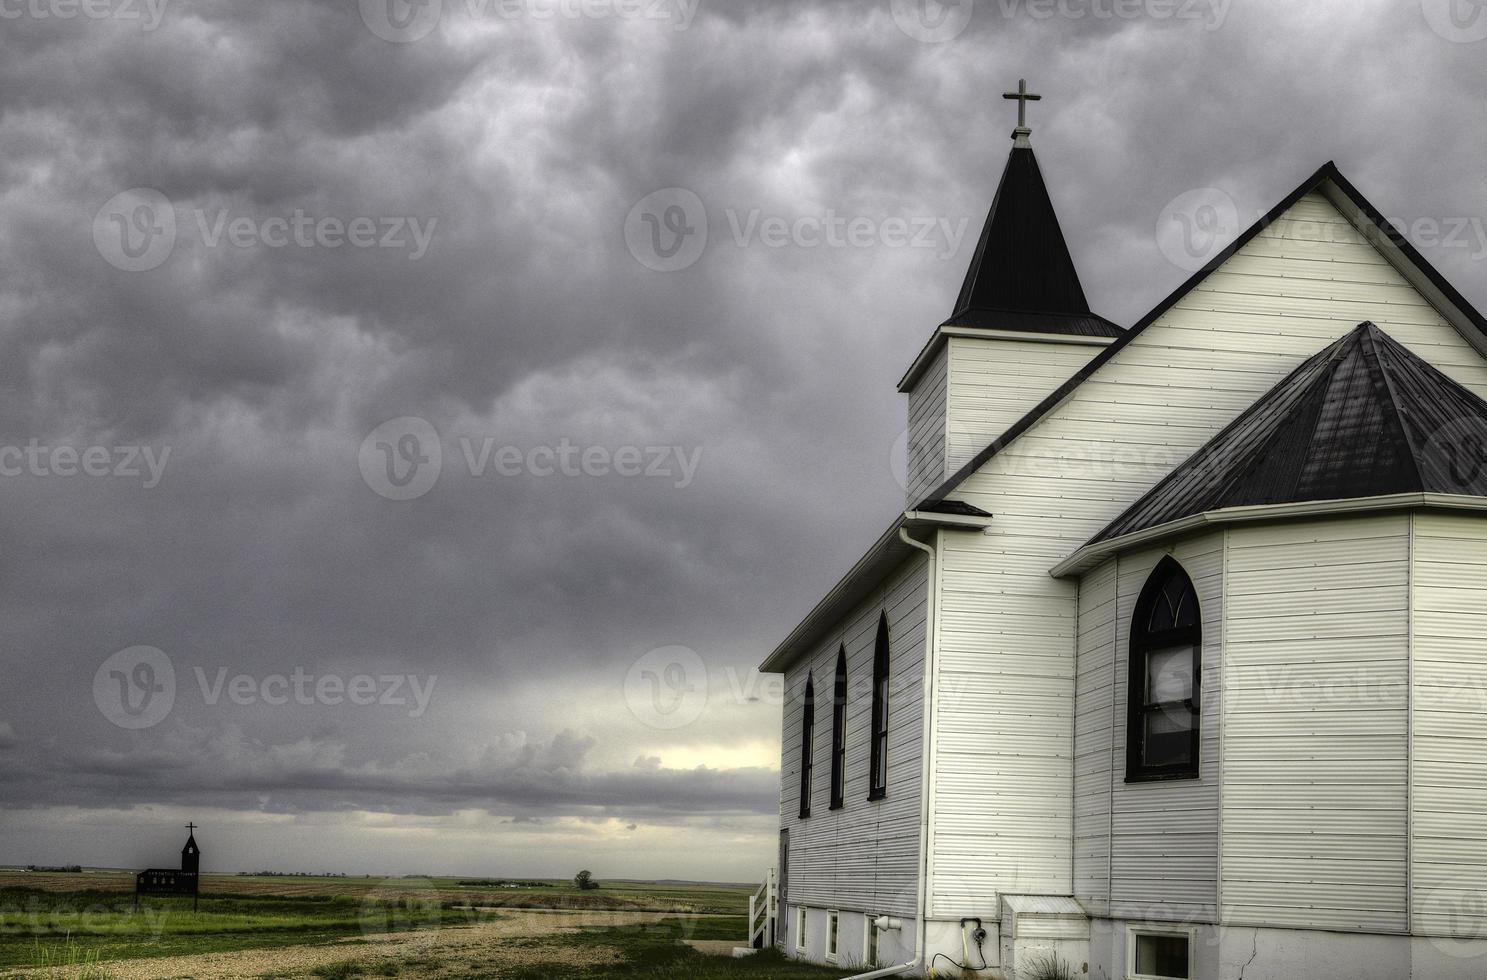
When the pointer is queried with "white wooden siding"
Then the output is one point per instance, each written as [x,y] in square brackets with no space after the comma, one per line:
[972,392]
[1165,861]
[926,445]
[1448,857]
[994,381]
[1008,632]
[1095,715]
[863,857]
[1316,733]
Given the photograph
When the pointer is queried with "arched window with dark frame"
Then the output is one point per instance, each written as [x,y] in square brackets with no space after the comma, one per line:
[879,762]
[807,738]
[839,733]
[1163,694]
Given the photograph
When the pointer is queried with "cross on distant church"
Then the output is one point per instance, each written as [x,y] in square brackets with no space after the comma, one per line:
[1022,97]
[190,827]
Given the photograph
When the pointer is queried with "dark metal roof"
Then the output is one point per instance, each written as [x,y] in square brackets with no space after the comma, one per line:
[1328,174]
[1365,417]
[1022,276]
[957,508]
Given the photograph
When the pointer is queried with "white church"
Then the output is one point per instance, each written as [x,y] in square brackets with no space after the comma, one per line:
[1173,666]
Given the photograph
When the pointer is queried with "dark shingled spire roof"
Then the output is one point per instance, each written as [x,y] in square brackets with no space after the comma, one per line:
[1022,276]
[1364,418]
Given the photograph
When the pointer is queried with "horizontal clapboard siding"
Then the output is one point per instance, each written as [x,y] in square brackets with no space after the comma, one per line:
[1164,834]
[1448,865]
[926,440]
[1003,794]
[1094,737]
[1316,727]
[1009,632]
[994,381]
[863,857]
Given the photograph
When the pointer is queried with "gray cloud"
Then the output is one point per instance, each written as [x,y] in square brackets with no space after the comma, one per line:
[528,322]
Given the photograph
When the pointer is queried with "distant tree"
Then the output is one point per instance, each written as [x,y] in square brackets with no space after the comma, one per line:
[584,881]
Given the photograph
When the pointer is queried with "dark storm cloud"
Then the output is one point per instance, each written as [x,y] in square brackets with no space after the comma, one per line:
[521,144]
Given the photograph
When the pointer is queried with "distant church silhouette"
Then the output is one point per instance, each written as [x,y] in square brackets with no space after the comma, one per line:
[169,881]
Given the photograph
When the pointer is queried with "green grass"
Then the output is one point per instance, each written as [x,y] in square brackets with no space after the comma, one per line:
[105,926]
[89,921]
[654,953]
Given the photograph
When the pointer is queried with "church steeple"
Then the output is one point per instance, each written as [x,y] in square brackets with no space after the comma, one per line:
[1022,277]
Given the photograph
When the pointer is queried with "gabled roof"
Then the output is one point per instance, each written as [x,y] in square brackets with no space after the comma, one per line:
[1365,417]
[1022,276]
[889,552]
[1355,207]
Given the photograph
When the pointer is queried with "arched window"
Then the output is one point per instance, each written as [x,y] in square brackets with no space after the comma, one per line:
[839,733]
[807,735]
[879,783]
[1165,673]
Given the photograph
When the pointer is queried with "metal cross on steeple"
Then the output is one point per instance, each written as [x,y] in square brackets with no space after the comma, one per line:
[1022,96]
[190,827]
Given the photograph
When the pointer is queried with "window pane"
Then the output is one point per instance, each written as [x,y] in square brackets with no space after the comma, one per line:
[1168,737]
[1169,675]
[1162,956]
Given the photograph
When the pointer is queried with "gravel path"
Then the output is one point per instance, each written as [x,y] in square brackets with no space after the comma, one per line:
[488,944]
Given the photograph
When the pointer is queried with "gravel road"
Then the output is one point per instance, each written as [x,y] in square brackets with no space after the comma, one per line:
[443,952]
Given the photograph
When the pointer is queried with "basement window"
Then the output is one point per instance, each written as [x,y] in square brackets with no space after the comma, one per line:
[833,921]
[870,942]
[1159,955]
[800,929]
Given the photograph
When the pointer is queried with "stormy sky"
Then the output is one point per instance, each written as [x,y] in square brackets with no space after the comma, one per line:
[416,421]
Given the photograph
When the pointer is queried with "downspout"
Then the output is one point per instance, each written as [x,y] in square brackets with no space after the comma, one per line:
[921,927]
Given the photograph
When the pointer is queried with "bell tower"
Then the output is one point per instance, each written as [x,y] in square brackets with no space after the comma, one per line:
[191,854]
[1021,326]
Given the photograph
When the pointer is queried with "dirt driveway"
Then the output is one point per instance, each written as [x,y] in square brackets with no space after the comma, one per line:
[490,944]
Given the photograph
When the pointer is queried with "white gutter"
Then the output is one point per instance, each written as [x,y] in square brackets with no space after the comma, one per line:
[1092,554]
[921,928]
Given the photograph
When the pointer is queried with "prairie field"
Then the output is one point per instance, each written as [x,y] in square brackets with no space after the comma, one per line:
[86,925]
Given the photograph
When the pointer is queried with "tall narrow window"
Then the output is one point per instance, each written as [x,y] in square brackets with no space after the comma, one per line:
[1163,694]
[879,768]
[839,733]
[807,736]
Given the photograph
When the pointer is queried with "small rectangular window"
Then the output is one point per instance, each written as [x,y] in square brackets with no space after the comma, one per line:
[1161,956]
[870,944]
[833,920]
[800,929]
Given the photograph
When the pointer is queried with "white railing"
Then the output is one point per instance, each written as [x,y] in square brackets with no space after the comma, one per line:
[764,912]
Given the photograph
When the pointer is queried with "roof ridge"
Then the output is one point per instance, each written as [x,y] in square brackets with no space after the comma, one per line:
[1373,337]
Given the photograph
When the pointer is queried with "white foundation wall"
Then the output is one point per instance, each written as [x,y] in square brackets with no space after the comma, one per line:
[1247,953]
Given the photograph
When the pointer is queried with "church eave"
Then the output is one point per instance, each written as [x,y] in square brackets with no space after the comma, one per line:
[1092,554]
[887,553]
[944,332]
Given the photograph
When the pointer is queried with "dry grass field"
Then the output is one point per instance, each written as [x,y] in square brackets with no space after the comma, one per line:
[85,926]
